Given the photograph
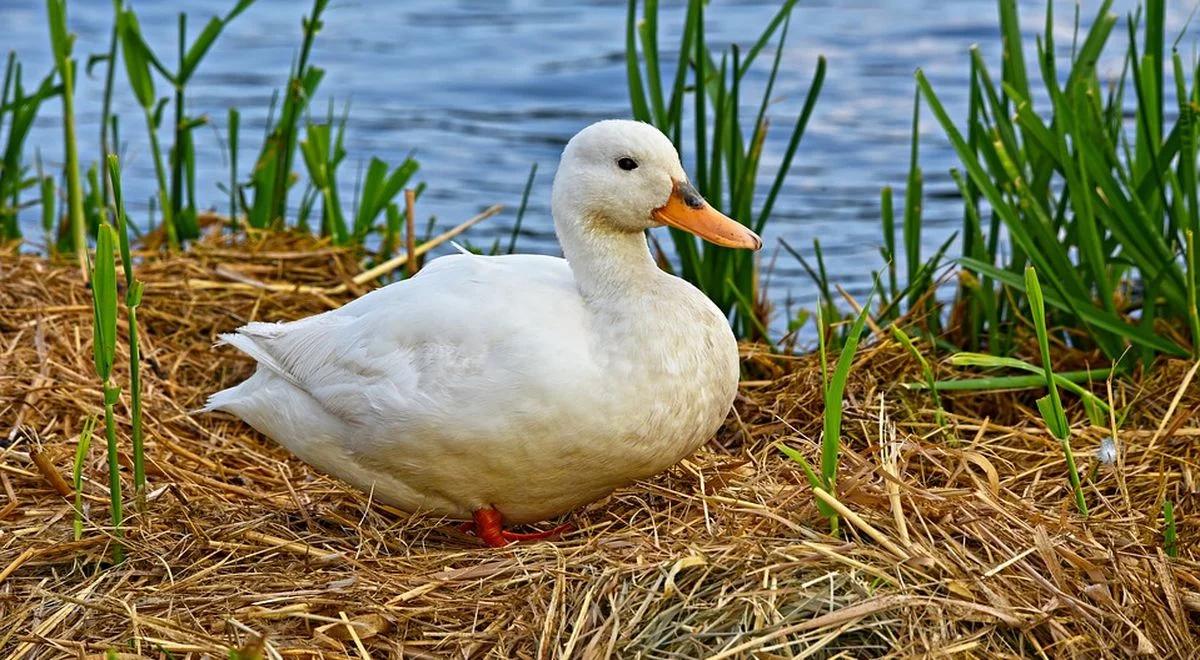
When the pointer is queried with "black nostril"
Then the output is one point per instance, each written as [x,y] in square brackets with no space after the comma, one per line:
[690,196]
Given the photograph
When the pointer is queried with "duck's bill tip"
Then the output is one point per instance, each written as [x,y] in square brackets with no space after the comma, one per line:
[686,209]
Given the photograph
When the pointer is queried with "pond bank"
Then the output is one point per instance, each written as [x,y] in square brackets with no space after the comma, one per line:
[968,546]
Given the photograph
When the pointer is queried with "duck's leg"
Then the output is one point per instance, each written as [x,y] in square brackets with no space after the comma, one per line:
[489,526]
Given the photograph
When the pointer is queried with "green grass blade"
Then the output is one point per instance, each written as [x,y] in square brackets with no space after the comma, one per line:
[205,40]
[1014,71]
[995,383]
[81,450]
[810,102]
[1193,304]
[1051,405]
[699,97]
[61,43]
[648,31]
[633,73]
[137,57]
[49,212]
[926,372]
[114,173]
[1111,323]
[104,302]
[764,37]
[831,439]
[133,298]
[887,215]
[234,125]
[822,351]
[913,195]
[516,230]
[813,479]
[996,361]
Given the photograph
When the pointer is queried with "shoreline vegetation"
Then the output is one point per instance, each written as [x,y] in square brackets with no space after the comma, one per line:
[961,535]
[1007,470]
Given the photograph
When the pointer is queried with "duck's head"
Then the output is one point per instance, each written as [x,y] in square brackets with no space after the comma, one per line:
[625,177]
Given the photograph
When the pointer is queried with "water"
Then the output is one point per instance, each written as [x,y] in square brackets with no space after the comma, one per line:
[478,90]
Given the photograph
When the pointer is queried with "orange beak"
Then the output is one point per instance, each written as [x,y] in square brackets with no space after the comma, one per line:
[686,209]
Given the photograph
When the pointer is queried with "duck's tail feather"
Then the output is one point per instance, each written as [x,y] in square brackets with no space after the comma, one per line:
[244,340]
[219,400]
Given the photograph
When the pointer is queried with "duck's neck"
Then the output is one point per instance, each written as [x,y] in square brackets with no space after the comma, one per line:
[610,266]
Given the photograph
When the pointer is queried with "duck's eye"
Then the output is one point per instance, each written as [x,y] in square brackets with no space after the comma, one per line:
[626,163]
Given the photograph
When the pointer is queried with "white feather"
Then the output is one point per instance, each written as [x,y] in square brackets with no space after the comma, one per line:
[520,382]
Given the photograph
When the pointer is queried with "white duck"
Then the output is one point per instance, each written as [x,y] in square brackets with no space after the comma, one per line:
[512,389]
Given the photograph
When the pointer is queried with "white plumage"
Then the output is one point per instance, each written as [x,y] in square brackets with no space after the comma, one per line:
[528,384]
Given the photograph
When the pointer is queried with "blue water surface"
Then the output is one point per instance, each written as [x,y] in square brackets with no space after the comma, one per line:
[478,90]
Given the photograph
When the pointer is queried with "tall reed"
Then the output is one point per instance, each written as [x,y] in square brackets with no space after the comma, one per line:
[47,200]
[138,58]
[235,120]
[271,178]
[21,109]
[107,118]
[920,273]
[61,42]
[112,244]
[89,197]
[1100,206]
[725,156]
[323,151]
[104,348]
[179,215]
[133,298]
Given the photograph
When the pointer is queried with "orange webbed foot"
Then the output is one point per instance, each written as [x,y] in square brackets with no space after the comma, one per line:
[488,525]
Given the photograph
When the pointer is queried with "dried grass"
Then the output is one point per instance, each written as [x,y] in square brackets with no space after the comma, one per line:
[950,550]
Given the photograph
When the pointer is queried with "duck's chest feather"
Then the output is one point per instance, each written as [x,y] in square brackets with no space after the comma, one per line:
[554,415]
[672,370]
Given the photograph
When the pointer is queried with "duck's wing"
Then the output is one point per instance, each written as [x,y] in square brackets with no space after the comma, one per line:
[421,350]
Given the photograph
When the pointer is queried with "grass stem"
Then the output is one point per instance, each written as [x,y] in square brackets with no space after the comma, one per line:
[81,452]
[104,342]
[133,298]
[1051,405]
[61,42]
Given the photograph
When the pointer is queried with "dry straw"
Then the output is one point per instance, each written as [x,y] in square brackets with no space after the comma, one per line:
[973,549]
